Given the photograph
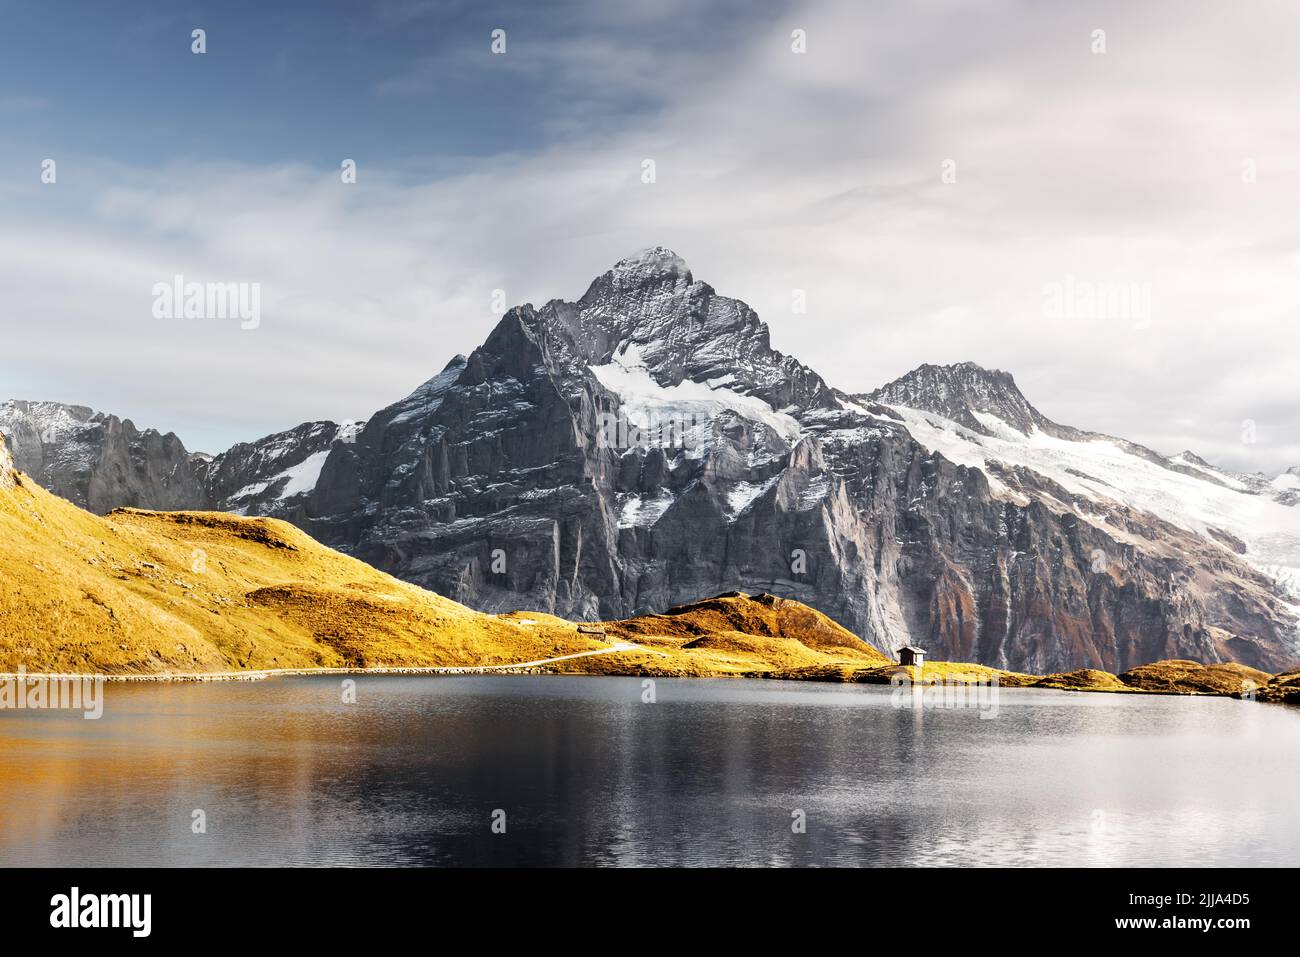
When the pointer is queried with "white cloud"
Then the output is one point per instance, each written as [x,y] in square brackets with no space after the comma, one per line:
[775,171]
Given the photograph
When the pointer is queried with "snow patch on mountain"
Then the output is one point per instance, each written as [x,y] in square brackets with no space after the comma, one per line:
[647,404]
[1288,481]
[743,494]
[303,476]
[1192,461]
[1104,472]
[644,510]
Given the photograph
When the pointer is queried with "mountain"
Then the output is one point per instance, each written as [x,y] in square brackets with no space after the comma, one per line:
[99,461]
[183,594]
[1283,488]
[274,475]
[645,444]
[966,394]
[495,480]
[731,466]
[139,592]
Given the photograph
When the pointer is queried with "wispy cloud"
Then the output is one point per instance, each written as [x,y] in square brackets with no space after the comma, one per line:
[775,171]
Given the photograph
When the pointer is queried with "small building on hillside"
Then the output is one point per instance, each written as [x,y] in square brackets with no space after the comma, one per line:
[911,655]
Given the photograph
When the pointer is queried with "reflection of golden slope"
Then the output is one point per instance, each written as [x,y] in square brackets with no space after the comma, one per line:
[138,592]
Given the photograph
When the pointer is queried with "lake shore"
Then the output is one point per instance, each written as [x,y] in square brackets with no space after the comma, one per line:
[1171,677]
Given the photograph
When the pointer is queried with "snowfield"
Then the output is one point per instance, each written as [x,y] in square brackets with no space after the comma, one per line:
[1104,471]
[1181,490]
[647,403]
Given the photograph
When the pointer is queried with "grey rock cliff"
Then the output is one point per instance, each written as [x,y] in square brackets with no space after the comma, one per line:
[99,461]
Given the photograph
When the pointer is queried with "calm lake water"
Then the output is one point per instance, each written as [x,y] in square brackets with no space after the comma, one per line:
[709,774]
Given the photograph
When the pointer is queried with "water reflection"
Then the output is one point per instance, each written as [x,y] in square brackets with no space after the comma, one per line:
[285,772]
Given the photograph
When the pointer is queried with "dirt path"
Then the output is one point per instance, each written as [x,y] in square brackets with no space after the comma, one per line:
[259,675]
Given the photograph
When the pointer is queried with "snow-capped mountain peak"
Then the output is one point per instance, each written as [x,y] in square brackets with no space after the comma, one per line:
[681,330]
[965,393]
[653,265]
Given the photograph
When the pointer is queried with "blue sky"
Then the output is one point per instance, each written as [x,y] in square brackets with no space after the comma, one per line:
[411,81]
[776,171]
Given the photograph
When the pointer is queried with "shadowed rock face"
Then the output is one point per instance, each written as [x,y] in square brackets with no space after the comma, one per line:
[98,461]
[8,477]
[101,462]
[501,484]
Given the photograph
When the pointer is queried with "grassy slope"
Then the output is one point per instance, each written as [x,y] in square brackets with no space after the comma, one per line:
[150,592]
[1283,688]
[732,635]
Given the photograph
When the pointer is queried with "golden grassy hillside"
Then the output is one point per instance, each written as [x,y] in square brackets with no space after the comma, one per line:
[1283,688]
[147,592]
[137,592]
[1083,679]
[731,635]
[1177,676]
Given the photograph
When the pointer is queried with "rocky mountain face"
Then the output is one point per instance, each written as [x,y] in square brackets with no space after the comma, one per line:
[100,462]
[645,445]
[274,475]
[8,474]
[964,393]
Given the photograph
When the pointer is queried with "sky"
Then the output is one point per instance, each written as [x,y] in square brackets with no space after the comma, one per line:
[1112,217]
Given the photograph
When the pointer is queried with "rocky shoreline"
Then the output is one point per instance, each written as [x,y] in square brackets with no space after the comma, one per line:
[1171,677]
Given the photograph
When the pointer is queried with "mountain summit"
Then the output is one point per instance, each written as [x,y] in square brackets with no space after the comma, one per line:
[649,305]
[653,265]
[965,393]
